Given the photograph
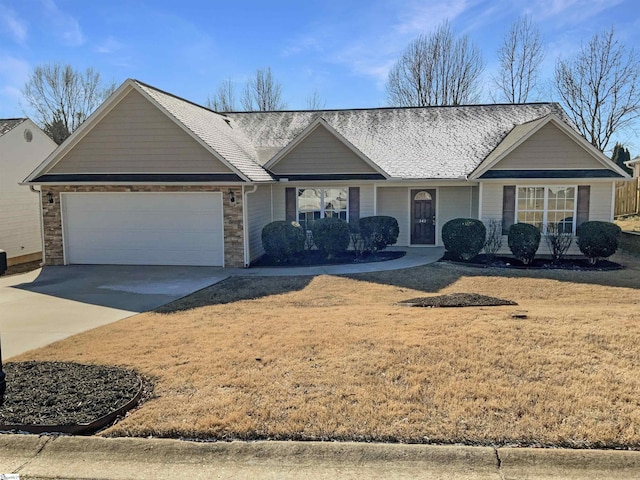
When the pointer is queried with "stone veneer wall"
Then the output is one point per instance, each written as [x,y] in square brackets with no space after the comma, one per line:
[232,214]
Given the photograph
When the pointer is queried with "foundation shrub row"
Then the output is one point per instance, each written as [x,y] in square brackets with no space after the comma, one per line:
[284,240]
[465,238]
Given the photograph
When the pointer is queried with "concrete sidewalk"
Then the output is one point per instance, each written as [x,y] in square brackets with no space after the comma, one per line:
[414,257]
[87,458]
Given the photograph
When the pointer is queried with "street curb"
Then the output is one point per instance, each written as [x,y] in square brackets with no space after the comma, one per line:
[69,457]
[547,463]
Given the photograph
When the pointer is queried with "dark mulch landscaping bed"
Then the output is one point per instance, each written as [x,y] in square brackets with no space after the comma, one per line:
[23,268]
[65,394]
[538,263]
[312,258]
[457,300]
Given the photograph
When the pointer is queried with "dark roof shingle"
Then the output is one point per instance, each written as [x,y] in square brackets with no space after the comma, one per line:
[8,124]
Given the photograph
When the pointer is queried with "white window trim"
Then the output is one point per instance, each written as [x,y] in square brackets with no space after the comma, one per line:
[545,210]
[322,210]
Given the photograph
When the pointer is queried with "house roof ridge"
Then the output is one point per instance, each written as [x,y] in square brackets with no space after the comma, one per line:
[426,107]
[177,97]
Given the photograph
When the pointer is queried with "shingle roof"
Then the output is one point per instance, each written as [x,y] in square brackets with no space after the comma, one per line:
[8,124]
[411,143]
[218,132]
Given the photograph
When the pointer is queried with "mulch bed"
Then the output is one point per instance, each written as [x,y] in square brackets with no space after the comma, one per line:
[313,258]
[65,393]
[457,300]
[22,268]
[578,264]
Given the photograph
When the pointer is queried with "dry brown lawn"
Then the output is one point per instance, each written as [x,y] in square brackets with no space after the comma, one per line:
[629,224]
[336,358]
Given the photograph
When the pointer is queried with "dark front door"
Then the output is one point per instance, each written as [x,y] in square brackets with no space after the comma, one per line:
[423,217]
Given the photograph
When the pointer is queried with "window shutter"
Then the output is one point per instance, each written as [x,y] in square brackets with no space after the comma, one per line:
[290,199]
[354,204]
[508,207]
[582,212]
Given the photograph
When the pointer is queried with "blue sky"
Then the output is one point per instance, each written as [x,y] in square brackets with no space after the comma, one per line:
[340,48]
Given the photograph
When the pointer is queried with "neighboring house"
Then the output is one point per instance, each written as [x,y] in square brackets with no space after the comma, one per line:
[151,178]
[634,164]
[23,146]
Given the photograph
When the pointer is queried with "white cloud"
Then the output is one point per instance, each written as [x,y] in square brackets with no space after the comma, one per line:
[424,16]
[10,22]
[110,45]
[14,73]
[66,27]
[374,53]
[568,12]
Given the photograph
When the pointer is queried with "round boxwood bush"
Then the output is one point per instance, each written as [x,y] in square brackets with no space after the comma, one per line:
[378,231]
[464,237]
[524,240]
[282,240]
[331,235]
[598,239]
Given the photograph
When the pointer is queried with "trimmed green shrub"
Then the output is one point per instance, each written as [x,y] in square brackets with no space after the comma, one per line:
[378,232]
[598,239]
[464,237]
[331,235]
[282,240]
[524,240]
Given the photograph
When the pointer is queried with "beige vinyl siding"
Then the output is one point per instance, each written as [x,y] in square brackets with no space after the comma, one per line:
[492,201]
[321,152]
[453,202]
[394,202]
[20,233]
[259,214]
[136,137]
[549,148]
[367,200]
[278,199]
[600,202]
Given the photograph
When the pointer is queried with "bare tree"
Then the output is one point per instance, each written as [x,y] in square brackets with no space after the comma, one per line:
[263,93]
[520,57]
[599,88]
[62,97]
[436,70]
[315,101]
[225,98]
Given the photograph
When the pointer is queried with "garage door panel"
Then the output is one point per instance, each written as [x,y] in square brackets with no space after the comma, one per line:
[143,228]
[132,239]
[145,257]
[159,221]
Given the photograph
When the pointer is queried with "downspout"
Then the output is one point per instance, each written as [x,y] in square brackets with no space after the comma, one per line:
[245,223]
[39,192]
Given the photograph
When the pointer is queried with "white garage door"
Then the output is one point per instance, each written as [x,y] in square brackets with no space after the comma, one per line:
[143,228]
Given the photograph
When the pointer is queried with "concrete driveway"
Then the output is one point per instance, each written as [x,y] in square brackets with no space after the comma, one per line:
[52,303]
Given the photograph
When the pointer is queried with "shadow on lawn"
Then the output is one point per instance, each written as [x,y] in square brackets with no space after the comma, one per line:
[428,278]
[235,289]
[432,278]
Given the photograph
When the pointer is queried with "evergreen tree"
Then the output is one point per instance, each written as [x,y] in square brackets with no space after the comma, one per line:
[621,155]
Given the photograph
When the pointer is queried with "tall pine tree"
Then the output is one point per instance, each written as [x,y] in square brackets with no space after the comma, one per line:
[621,155]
